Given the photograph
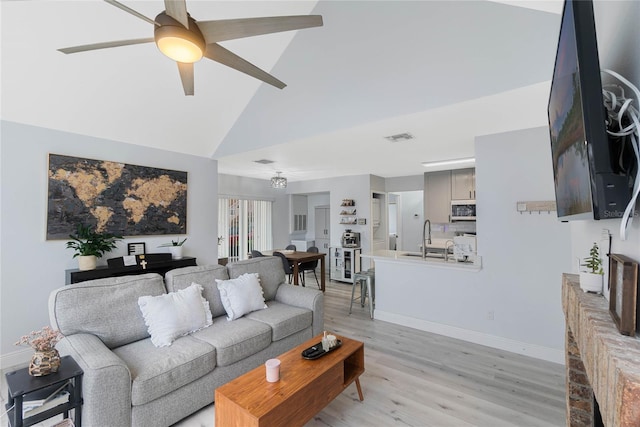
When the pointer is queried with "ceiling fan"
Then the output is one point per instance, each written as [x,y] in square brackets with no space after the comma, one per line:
[185,40]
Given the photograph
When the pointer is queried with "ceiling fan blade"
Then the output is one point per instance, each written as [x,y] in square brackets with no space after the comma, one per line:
[229,29]
[131,11]
[186,75]
[104,45]
[177,9]
[219,54]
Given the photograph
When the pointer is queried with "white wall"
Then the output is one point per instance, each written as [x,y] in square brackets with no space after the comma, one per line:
[618,36]
[32,266]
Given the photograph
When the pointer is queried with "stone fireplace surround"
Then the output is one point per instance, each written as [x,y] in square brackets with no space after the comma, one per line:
[600,361]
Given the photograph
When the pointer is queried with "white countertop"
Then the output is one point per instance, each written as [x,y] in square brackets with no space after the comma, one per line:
[415,258]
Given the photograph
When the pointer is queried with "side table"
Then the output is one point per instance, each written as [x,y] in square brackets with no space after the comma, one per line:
[22,385]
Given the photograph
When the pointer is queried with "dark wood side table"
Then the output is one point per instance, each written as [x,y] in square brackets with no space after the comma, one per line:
[22,385]
[76,276]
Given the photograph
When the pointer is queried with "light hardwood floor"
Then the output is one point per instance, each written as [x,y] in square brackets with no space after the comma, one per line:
[415,378]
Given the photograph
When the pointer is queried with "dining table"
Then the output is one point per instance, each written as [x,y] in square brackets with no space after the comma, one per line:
[298,257]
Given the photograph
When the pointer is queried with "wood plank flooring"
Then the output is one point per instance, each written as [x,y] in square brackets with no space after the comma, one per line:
[414,378]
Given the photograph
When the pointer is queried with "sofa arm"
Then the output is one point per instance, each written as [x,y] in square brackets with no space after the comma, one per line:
[311,299]
[106,383]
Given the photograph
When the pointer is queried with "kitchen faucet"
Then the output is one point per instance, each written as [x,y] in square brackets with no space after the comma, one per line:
[425,240]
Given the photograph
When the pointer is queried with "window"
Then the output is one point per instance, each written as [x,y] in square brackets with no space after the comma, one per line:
[244,225]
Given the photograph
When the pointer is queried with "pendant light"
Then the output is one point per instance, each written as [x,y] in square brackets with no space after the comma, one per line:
[278,181]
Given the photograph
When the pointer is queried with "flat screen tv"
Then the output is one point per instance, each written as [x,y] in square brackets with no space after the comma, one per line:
[588,185]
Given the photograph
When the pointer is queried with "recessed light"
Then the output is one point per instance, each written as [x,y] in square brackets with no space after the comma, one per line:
[400,137]
[452,162]
[264,161]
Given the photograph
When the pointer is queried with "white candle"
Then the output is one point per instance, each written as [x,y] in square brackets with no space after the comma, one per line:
[273,370]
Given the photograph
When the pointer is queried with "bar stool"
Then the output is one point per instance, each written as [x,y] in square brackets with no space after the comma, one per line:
[366,280]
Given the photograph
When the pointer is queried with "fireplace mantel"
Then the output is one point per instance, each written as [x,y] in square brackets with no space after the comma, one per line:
[611,361]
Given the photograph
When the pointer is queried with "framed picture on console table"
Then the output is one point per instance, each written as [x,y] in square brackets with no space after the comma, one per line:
[623,300]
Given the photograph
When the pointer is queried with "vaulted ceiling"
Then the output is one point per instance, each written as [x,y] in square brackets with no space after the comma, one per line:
[444,71]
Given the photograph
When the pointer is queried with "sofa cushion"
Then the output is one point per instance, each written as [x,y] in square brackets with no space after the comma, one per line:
[175,314]
[106,308]
[235,340]
[283,319]
[204,275]
[241,295]
[269,269]
[159,371]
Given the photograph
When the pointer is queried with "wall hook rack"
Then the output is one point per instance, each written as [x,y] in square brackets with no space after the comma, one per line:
[536,206]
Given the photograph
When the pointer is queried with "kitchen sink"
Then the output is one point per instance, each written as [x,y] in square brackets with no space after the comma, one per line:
[429,255]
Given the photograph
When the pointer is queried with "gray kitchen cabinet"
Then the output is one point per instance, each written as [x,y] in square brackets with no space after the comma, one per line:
[437,196]
[463,184]
[322,229]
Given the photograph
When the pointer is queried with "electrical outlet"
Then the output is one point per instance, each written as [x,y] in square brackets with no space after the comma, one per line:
[490,315]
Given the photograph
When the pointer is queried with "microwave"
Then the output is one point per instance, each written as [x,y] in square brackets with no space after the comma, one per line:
[463,210]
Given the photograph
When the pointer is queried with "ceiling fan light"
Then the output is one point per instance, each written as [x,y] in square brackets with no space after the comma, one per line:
[180,49]
[177,42]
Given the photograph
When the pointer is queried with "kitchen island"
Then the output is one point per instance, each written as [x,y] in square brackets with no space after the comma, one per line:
[434,295]
[432,260]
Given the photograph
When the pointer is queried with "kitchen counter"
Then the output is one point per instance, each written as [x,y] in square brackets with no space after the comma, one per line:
[415,259]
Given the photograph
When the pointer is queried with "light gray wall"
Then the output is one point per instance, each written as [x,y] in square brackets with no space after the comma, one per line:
[523,257]
[252,188]
[618,36]
[410,228]
[32,266]
[405,183]
[356,187]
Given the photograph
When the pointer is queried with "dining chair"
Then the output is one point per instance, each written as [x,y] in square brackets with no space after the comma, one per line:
[288,270]
[291,248]
[310,266]
[256,254]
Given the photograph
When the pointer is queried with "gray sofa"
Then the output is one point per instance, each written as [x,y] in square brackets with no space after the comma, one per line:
[128,381]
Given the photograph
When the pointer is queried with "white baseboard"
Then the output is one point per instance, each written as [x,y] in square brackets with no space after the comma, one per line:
[16,358]
[527,349]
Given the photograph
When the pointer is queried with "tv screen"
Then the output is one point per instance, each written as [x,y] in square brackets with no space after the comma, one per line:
[586,184]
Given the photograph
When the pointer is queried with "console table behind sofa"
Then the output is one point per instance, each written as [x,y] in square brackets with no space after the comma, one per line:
[76,276]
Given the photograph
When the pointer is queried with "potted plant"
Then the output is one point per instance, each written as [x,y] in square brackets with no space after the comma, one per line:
[591,280]
[175,247]
[90,245]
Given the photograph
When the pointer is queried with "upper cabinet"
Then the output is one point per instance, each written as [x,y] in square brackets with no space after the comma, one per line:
[463,184]
[299,212]
[437,196]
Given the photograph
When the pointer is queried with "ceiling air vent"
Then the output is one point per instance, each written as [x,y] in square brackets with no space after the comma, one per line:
[399,137]
[264,161]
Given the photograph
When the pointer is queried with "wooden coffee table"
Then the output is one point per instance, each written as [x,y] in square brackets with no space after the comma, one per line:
[304,389]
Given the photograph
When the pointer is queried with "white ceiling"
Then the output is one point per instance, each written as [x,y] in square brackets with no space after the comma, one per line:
[445,71]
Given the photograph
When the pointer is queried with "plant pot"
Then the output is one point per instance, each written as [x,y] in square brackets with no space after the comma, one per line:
[87,262]
[176,252]
[590,282]
[44,363]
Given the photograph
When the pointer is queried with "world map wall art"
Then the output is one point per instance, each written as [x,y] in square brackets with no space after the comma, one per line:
[112,197]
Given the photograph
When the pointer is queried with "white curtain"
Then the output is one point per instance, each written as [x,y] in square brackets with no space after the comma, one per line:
[243,225]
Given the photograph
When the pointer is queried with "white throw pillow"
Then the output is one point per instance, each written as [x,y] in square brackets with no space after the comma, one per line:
[241,295]
[175,314]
